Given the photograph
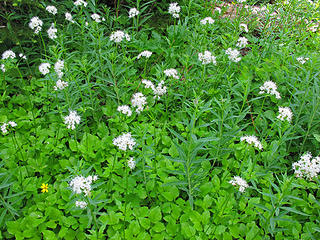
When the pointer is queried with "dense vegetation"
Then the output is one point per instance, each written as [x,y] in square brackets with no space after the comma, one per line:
[194,121]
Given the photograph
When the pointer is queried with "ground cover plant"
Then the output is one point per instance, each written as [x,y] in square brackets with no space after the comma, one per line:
[190,120]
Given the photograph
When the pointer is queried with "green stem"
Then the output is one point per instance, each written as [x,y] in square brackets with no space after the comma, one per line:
[261,107]
[125,200]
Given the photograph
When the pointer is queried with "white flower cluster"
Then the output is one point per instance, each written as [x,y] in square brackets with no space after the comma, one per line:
[146,54]
[241,183]
[302,60]
[2,67]
[158,91]
[72,119]
[171,73]
[307,166]
[80,3]
[207,58]
[36,24]
[4,126]
[241,1]
[207,20]
[138,101]
[69,17]
[233,55]
[8,54]
[124,141]
[244,27]
[270,88]
[133,12]
[242,42]
[81,204]
[174,9]
[118,36]
[58,66]
[131,163]
[44,68]
[97,18]
[52,9]
[285,113]
[60,85]
[52,32]
[125,109]
[252,140]
[81,184]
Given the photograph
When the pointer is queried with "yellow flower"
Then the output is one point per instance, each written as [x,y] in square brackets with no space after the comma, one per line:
[44,187]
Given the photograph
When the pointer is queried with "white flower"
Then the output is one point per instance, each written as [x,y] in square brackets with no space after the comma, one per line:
[244,27]
[52,9]
[8,54]
[242,1]
[207,20]
[146,54]
[4,128]
[285,113]
[80,3]
[5,125]
[218,9]
[302,60]
[138,101]
[270,88]
[12,124]
[174,10]
[207,58]
[36,24]
[159,90]
[252,140]
[72,119]
[131,163]
[147,83]
[60,85]
[21,55]
[242,42]
[171,73]
[96,17]
[125,110]
[80,184]
[69,17]
[44,68]
[52,32]
[241,183]
[133,12]
[307,167]
[58,66]
[2,67]
[233,55]
[118,36]
[124,141]
[95,178]
[81,204]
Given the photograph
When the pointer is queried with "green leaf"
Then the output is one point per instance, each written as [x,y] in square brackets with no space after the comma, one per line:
[113,218]
[207,201]
[155,214]
[49,235]
[158,227]
[220,229]
[144,222]
[290,209]
[187,230]
[317,137]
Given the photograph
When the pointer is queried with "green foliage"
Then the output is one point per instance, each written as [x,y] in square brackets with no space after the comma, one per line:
[188,140]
